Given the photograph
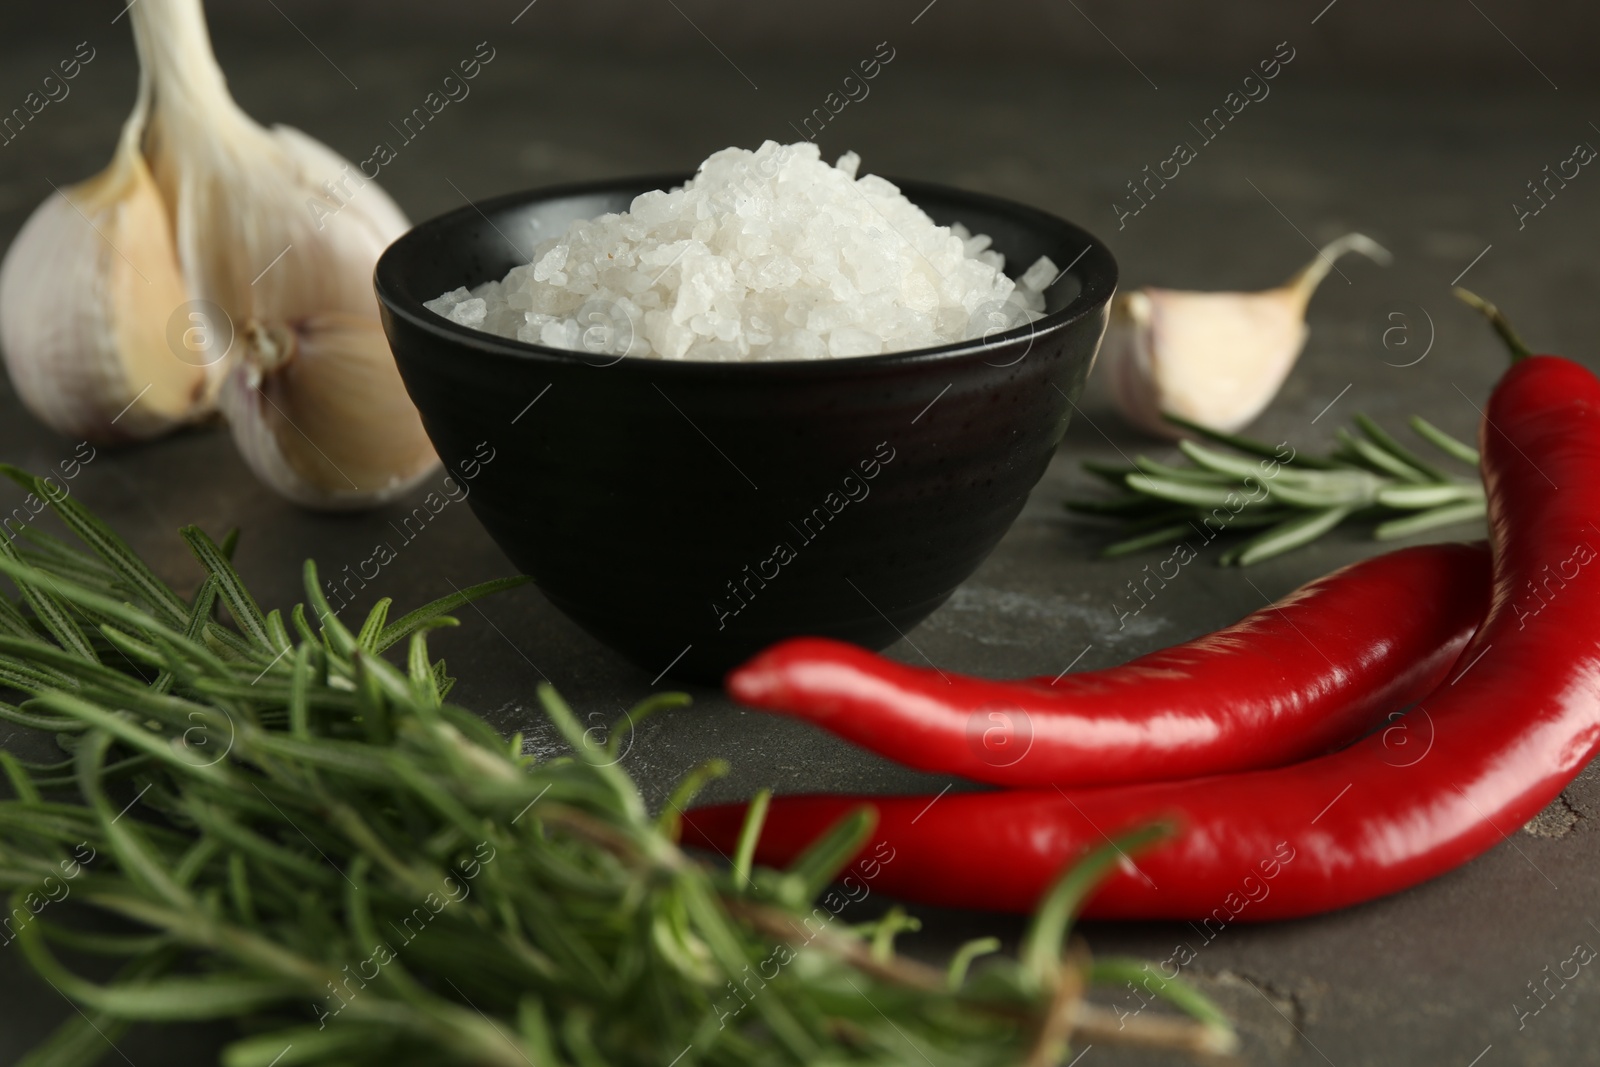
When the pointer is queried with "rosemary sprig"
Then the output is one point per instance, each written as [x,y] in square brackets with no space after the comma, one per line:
[1369,477]
[298,834]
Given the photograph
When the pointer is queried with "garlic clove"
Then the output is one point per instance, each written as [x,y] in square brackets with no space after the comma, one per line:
[1213,358]
[86,293]
[344,189]
[258,235]
[320,414]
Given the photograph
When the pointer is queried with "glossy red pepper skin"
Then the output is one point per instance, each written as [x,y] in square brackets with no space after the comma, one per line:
[1313,671]
[1485,752]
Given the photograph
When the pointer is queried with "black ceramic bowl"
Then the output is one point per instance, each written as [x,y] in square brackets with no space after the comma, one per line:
[689,514]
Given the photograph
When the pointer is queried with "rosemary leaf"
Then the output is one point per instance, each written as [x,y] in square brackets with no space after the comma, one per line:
[1369,477]
[1287,536]
[241,605]
[1384,440]
[408,624]
[1381,460]
[100,537]
[1448,515]
[1165,535]
[1200,496]
[1429,496]
[1444,442]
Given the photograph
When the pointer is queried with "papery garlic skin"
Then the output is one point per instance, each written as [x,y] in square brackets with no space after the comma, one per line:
[87,294]
[239,191]
[320,414]
[249,242]
[295,282]
[1216,359]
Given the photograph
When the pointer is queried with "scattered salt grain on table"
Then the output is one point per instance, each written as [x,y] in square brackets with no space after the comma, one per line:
[763,255]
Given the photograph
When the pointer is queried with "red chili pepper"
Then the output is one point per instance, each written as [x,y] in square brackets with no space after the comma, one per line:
[1310,673]
[1485,753]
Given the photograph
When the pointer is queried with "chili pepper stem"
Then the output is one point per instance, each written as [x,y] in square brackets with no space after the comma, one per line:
[1497,319]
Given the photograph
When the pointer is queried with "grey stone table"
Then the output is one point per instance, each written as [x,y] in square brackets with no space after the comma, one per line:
[1436,975]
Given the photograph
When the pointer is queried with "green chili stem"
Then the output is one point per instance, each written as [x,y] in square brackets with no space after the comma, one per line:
[1502,325]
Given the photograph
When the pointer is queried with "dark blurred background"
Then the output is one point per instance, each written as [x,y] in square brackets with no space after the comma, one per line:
[1419,39]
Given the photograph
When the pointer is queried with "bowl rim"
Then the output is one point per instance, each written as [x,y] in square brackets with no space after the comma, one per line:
[1099,285]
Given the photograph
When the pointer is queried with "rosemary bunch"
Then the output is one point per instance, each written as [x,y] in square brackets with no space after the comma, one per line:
[302,836]
[1287,500]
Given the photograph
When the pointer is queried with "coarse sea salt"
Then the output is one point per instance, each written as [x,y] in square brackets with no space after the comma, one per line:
[764,255]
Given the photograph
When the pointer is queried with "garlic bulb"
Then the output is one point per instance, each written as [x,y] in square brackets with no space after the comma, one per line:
[1216,359]
[87,292]
[281,233]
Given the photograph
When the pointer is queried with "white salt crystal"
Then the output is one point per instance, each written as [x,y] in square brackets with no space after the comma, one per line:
[1041,274]
[551,263]
[826,318]
[764,255]
[562,334]
[917,293]
[470,312]
[849,341]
